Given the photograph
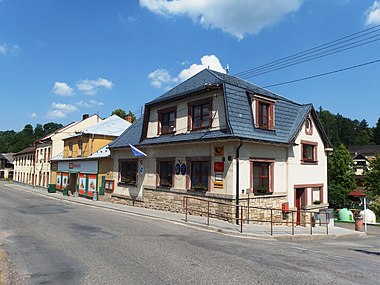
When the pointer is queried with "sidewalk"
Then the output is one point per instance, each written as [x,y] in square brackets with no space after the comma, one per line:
[249,230]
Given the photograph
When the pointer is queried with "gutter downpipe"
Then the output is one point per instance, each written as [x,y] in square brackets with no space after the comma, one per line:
[237,182]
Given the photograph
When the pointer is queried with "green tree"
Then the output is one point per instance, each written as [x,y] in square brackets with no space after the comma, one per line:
[338,197]
[363,134]
[376,132]
[372,177]
[38,131]
[340,168]
[330,125]
[119,112]
[51,127]
[341,176]
[133,116]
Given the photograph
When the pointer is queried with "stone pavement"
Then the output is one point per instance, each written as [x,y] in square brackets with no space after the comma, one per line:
[249,230]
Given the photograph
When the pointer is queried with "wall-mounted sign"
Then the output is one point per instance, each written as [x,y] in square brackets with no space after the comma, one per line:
[177,169]
[218,166]
[73,165]
[219,151]
[183,169]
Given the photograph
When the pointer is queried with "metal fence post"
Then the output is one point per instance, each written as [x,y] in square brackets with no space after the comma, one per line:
[311,223]
[208,213]
[241,219]
[185,209]
[292,223]
[271,222]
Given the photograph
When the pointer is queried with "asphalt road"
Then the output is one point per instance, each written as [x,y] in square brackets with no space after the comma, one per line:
[57,242]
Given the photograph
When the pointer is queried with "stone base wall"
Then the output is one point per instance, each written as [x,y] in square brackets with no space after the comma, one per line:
[222,207]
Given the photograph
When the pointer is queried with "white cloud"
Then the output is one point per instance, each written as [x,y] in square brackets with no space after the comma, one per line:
[61,88]
[6,49]
[237,18]
[33,115]
[207,61]
[89,104]
[373,14]
[91,87]
[161,78]
[3,49]
[60,110]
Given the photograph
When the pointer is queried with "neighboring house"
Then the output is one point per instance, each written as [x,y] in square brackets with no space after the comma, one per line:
[52,145]
[86,163]
[6,165]
[362,156]
[24,166]
[220,138]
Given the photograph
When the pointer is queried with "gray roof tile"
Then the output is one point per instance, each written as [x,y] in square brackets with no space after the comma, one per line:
[289,116]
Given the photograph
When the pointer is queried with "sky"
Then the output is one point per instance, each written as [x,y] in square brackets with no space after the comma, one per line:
[60,59]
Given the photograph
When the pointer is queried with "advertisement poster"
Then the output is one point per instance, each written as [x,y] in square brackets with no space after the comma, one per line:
[91,183]
[82,183]
[58,181]
[65,180]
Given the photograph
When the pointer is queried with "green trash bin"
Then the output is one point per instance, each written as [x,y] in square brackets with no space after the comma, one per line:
[51,188]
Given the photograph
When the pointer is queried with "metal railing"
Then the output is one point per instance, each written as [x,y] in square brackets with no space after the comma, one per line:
[308,215]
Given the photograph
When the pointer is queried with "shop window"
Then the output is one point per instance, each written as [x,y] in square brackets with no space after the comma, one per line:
[262,176]
[166,173]
[200,171]
[128,172]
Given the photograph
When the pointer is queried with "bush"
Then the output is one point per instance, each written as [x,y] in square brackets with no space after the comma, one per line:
[374,205]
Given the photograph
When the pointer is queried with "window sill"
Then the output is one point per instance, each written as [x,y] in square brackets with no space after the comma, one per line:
[309,162]
[122,184]
[265,129]
[262,193]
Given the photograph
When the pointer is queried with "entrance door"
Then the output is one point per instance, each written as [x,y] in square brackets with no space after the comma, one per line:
[73,182]
[300,202]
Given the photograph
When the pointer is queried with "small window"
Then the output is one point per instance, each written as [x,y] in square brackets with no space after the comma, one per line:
[200,115]
[166,173]
[167,120]
[309,152]
[308,127]
[264,114]
[262,176]
[128,171]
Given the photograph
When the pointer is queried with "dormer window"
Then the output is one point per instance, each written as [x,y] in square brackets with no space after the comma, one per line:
[199,114]
[264,114]
[167,121]
[308,127]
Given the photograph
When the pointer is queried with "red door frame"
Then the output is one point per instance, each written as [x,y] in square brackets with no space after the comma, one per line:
[300,200]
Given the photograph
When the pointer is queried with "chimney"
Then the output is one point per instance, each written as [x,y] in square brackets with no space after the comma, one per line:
[128,118]
[85,116]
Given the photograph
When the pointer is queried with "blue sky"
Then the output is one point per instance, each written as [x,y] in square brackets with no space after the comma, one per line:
[61,59]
